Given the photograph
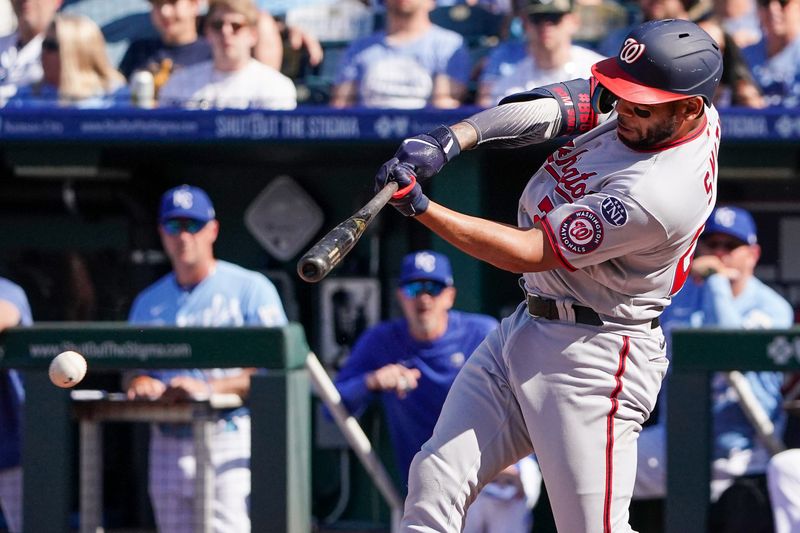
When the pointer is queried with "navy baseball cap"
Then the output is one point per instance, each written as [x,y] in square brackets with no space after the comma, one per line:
[734,222]
[426,265]
[186,201]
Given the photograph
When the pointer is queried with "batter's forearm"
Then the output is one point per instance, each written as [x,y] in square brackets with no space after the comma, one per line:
[507,247]
[510,125]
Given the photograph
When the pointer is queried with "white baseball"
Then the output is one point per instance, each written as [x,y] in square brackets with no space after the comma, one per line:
[67,369]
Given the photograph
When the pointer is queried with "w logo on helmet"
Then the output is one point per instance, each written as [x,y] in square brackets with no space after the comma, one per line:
[631,51]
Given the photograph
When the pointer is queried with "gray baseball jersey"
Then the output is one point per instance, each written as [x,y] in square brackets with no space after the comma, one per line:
[610,214]
[624,224]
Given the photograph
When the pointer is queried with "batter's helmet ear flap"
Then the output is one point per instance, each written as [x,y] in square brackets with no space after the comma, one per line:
[603,100]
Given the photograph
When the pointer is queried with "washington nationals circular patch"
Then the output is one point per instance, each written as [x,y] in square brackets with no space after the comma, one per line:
[614,211]
[581,232]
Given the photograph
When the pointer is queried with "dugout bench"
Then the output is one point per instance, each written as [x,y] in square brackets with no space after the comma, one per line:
[279,402]
[695,355]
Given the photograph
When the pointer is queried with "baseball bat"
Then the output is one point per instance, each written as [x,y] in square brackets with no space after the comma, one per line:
[755,413]
[353,433]
[331,249]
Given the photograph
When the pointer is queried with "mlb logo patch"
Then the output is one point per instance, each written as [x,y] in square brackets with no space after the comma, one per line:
[425,261]
[183,198]
[581,232]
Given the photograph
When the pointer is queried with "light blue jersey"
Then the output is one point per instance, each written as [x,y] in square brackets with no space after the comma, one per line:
[758,307]
[402,76]
[11,391]
[230,296]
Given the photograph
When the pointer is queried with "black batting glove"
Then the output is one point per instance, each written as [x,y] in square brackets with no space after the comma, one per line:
[409,198]
[428,153]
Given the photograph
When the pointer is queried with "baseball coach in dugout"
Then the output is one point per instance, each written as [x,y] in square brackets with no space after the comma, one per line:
[606,231]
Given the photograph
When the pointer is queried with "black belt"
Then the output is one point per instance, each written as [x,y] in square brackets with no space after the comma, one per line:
[547,308]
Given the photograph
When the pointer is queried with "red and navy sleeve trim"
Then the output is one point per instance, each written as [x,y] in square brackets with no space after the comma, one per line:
[551,237]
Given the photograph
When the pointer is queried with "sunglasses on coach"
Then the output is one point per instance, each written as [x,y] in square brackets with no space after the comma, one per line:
[174,226]
[418,288]
[726,244]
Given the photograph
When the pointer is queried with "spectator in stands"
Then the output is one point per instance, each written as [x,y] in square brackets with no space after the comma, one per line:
[410,365]
[547,56]
[14,311]
[77,71]
[410,65]
[233,78]
[775,60]
[20,51]
[737,86]
[723,292]
[739,19]
[180,44]
[200,291]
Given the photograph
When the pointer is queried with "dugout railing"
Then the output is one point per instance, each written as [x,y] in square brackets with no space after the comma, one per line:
[279,402]
[696,354]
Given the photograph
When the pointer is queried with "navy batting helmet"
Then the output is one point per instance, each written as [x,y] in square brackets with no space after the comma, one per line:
[662,61]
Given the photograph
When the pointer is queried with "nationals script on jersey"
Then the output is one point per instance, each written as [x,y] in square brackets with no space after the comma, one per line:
[624,222]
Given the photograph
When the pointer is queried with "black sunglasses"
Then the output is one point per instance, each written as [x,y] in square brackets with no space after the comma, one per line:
[174,226]
[727,244]
[418,288]
[541,18]
[50,45]
[218,24]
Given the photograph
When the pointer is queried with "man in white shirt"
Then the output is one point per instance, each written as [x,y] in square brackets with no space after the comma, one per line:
[21,51]
[411,64]
[547,55]
[233,79]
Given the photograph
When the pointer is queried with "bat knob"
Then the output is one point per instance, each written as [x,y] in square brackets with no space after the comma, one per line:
[312,269]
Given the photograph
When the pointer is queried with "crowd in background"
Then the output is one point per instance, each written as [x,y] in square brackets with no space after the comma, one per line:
[403,54]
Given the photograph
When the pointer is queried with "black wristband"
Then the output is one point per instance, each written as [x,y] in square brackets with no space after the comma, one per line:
[444,136]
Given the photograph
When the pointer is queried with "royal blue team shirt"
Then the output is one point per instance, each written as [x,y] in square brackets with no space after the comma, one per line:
[411,419]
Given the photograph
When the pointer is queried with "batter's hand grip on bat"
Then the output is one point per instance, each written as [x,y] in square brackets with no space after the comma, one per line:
[331,249]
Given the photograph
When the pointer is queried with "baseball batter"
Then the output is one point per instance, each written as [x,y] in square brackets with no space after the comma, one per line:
[607,227]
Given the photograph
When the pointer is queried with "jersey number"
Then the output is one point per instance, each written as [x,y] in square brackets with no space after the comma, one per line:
[685,264]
